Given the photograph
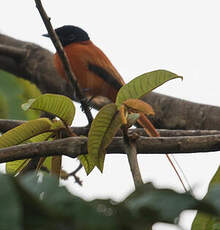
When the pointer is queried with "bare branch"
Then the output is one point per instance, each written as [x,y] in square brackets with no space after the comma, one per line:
[74,146]
[179,133]
[67,146]
[131,151]
[6,125]
[174,113]
[66,65]
[36,66]
[77,179]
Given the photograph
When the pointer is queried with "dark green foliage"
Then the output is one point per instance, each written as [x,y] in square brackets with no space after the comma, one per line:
[13,93]
[27,203]
[204,221]
[11,206]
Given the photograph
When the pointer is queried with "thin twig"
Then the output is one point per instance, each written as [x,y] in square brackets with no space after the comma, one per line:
[177,133]
[6,125]
[59,48]
[77,179]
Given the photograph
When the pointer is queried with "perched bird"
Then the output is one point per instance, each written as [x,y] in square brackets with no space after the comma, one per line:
[94,72]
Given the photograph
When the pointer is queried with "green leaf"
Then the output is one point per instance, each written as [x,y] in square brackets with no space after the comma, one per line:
[212,197]
[11,211]
[58,105]
[154,205]
[215,179]
[76,212]
[148,205]
[30,203]
[36,214]
[24,132]
[87,162]
[13,166]
[16,91]
[27,105]
[103,128]
[205,221]
[143,84]
[3,106]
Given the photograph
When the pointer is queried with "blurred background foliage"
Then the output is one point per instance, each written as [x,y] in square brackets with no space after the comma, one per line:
[13,93]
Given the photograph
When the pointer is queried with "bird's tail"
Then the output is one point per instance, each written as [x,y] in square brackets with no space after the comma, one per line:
[152,132]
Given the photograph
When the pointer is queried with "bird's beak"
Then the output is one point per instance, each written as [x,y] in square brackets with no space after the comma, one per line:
[46,35]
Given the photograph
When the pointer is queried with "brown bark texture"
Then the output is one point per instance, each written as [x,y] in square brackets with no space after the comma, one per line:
[34,63]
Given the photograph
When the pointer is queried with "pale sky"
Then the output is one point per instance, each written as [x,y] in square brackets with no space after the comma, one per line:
[139,36]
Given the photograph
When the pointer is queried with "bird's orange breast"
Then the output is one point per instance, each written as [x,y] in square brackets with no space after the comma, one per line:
[83,54]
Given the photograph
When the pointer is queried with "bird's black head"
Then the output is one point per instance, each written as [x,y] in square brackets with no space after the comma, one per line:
[69,34]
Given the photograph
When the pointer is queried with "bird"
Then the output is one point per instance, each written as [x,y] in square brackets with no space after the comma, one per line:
[94,72]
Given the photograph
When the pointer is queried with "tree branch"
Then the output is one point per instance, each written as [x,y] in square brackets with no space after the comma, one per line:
[6,125]
[74,146]
[174,113]
[13,52]
[131,151]
[37,66]
[66,65]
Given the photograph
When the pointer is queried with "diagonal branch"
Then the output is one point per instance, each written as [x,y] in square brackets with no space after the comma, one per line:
[59,48]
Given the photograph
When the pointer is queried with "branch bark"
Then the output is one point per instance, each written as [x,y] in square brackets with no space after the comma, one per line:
[131,151]
[6,125]
[36,65]
[74,146]
[174,113]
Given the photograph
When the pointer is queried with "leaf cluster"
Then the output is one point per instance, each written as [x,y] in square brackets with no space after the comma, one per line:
[125,112]
[30,202]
